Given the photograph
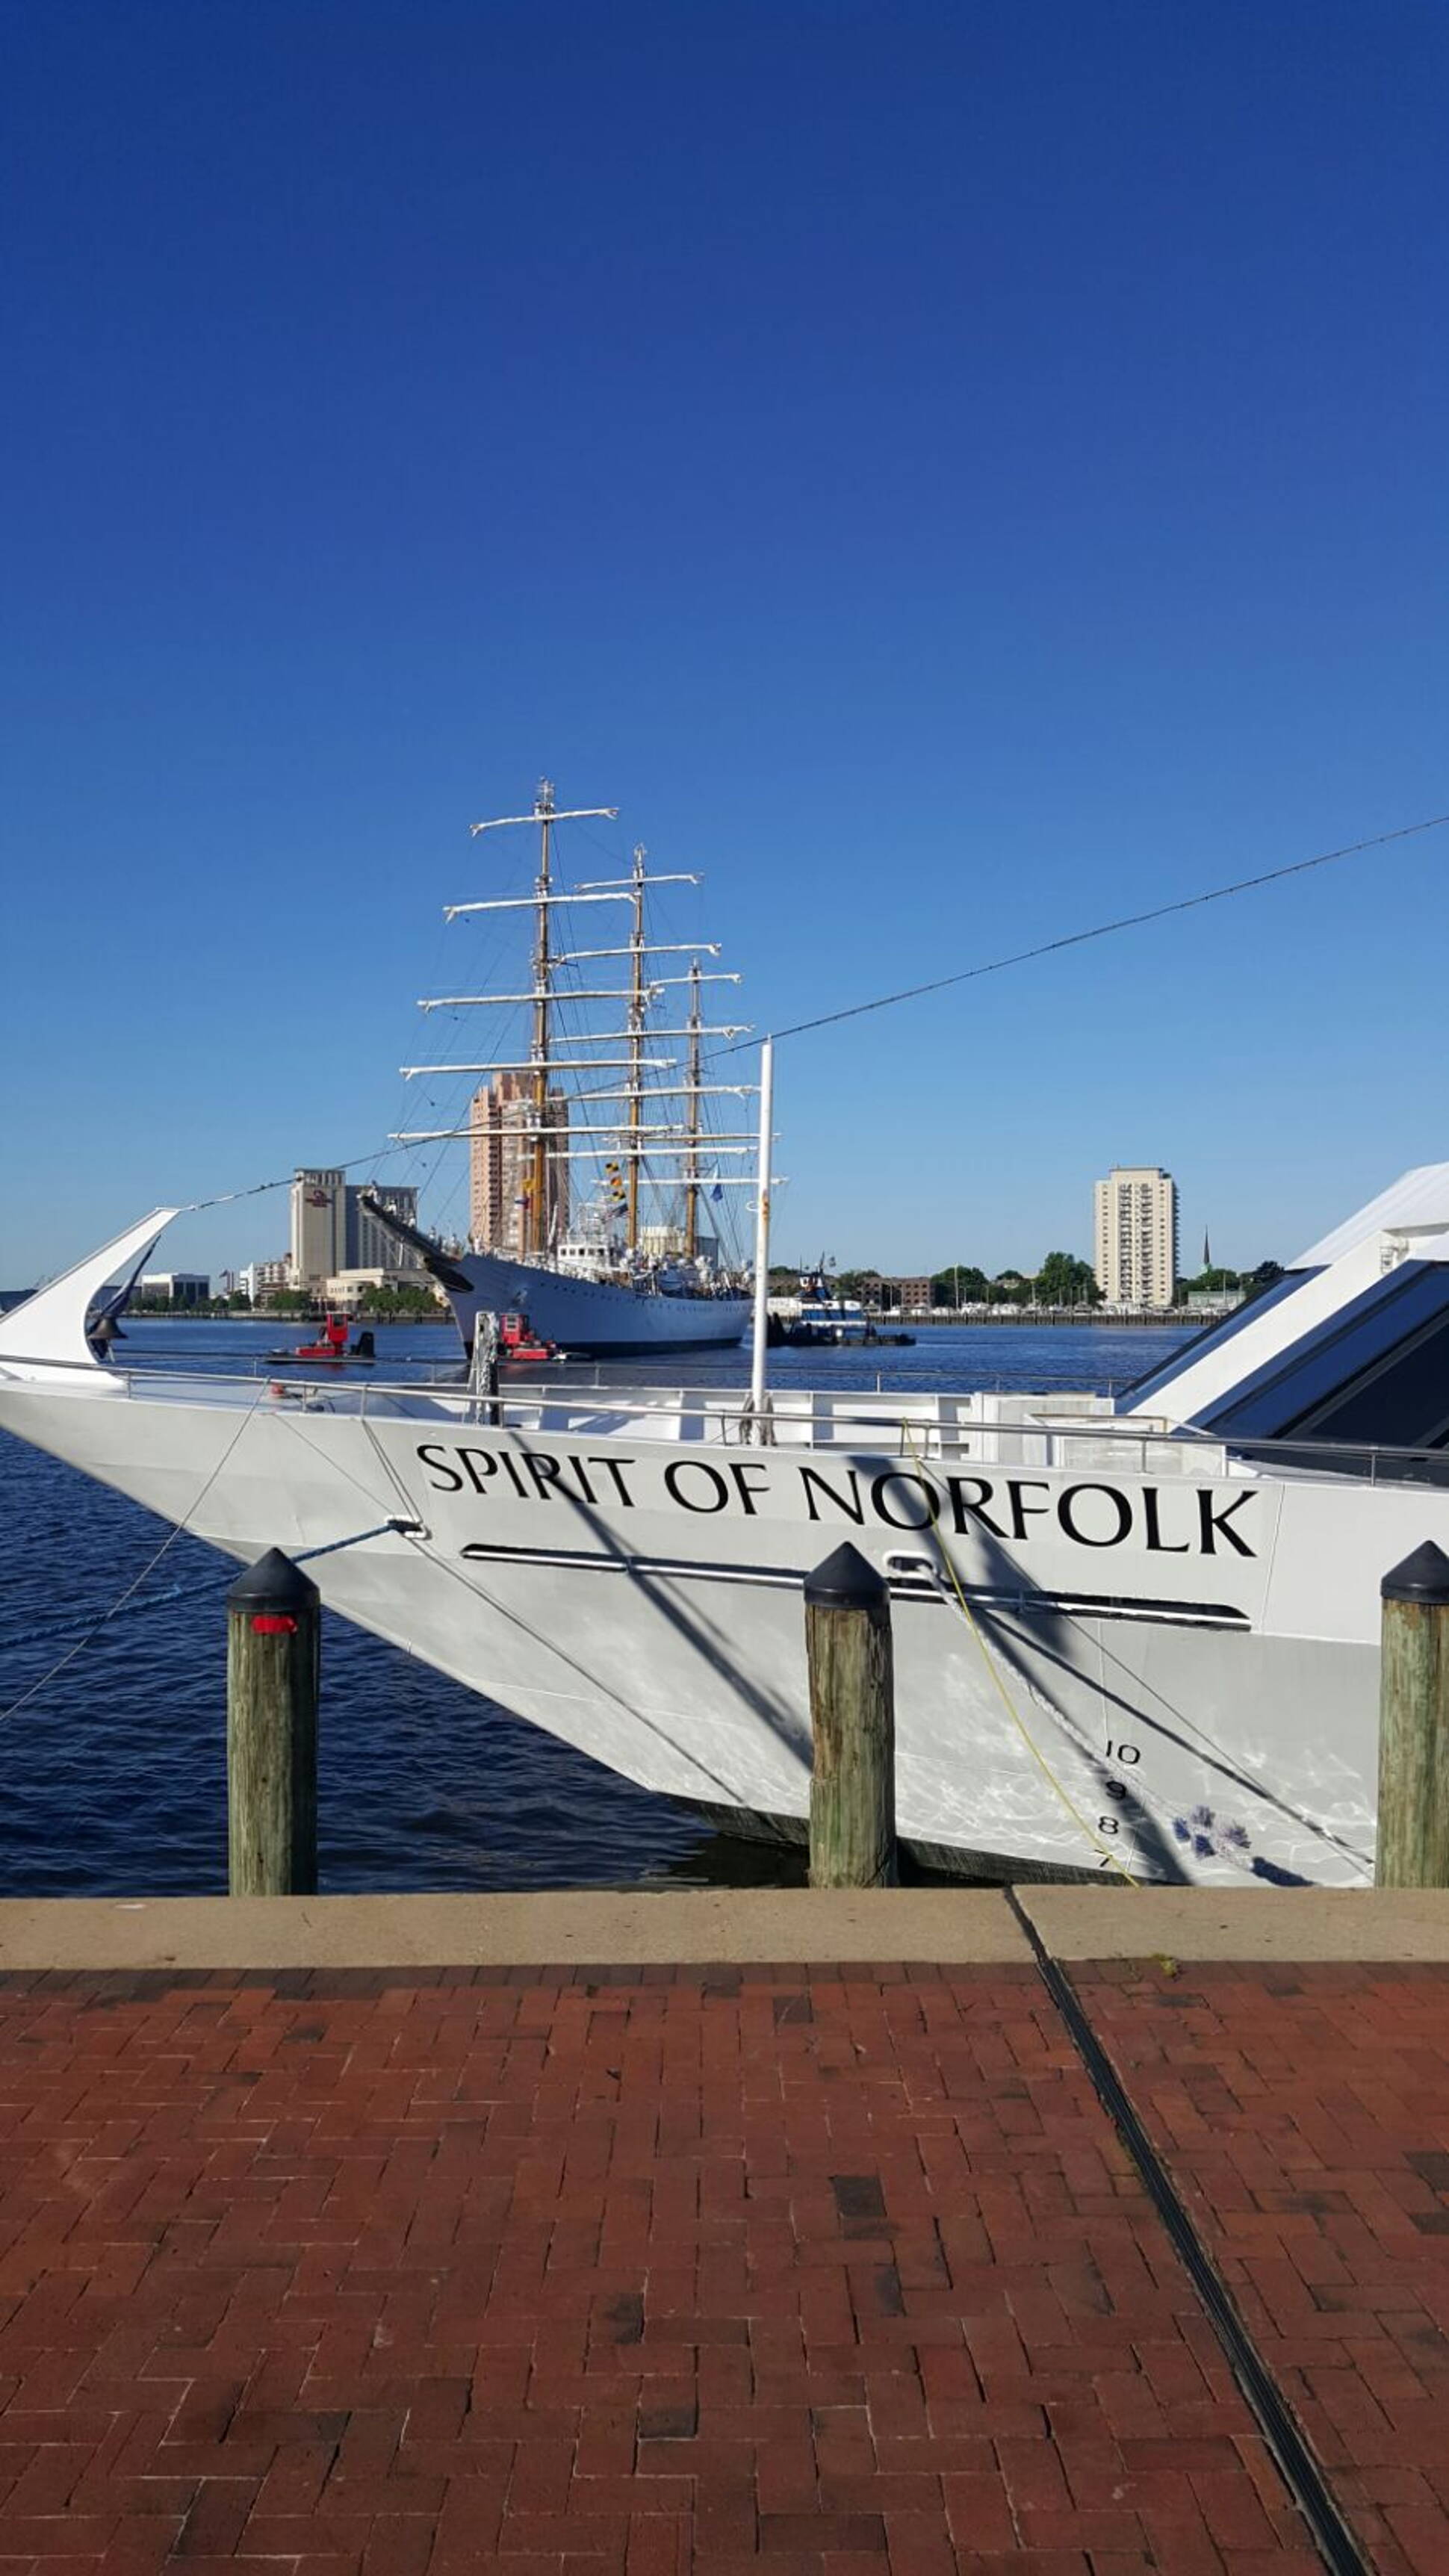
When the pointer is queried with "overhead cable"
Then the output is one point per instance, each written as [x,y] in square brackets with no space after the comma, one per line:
[963,975]
[1105,929]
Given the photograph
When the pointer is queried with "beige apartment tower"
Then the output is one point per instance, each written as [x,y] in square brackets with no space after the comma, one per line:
[1136,1261]
[500,1153]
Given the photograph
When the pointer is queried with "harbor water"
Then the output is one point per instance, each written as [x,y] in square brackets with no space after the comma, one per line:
[113,1761]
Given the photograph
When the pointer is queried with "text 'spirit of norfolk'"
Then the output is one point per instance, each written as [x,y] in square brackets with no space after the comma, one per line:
[1172,1520]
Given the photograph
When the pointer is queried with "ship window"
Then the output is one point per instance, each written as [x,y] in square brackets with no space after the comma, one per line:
[1373,1371]
[1402,1402]
[1165,1372]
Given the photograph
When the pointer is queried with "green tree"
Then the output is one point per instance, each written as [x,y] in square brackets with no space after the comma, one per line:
[962,1285]
[400,1306]
[1210,1283]
[1064,1280]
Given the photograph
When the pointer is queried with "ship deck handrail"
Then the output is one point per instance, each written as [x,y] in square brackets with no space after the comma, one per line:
[931,1425]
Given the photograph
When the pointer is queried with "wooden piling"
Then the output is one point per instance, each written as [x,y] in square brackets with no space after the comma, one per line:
[852,1723]
[1413,1838]
[273,1671]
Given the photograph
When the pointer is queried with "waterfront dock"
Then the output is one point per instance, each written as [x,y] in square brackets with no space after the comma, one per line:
[1089,2234]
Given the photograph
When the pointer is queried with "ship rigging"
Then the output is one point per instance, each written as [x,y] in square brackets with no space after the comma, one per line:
[566,1241]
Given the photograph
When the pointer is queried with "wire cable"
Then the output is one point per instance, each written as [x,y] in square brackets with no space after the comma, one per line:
[89,1622]
[151,1563]
[964,974]
[1104,930]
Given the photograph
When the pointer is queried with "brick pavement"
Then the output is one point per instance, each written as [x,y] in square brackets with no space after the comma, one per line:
[1304,2115]
[815,2272]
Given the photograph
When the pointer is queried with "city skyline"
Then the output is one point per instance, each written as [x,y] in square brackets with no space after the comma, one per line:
[322,1197]
[492,1170]
[933,1268]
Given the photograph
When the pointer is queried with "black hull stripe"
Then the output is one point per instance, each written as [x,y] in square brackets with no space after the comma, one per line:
[779,1578]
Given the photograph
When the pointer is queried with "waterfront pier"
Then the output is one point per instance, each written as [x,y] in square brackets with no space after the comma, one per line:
[1076,2233]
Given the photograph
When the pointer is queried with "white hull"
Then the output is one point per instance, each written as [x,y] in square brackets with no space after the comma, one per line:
[1186,1656]
[593,1316]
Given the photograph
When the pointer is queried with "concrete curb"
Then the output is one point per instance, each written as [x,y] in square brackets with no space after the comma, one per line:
[714,1926]
[722,1927]
[1258,1924]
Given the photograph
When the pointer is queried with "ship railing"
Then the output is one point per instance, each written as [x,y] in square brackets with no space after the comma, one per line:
[962,1431]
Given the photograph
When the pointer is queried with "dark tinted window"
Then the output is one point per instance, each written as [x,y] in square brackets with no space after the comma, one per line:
[1212,1338]
[1375,1371]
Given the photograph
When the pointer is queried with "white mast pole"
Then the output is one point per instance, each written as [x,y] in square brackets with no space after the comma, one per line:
[691,1195]
[762,1234]
[535,1214]
[636,1046]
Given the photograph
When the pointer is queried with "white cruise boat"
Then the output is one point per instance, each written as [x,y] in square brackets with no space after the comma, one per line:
[1135,1634]
[594,1168]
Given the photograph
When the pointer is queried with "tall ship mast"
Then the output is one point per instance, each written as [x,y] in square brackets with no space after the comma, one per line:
[589,1168]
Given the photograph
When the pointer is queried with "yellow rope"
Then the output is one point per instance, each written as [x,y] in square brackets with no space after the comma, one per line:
[1008,1703]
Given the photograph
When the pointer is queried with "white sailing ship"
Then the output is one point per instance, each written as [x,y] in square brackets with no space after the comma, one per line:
[1136,1633]
[602,1163]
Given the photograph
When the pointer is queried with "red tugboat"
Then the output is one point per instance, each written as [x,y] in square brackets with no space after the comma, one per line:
[332,1345]
[518,1341]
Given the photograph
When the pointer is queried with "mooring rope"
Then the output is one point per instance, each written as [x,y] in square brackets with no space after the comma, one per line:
[89,1624]
[1013,1712]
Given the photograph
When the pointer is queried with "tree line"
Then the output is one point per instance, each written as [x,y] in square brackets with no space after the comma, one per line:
[377,1305]
[1064,1279]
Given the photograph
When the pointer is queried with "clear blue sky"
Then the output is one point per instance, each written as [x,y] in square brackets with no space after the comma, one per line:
[951,472]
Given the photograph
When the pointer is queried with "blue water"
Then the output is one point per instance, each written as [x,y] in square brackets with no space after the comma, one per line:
[112,1777]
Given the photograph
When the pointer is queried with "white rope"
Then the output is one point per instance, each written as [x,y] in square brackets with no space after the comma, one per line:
[152,1562]
[127,1606]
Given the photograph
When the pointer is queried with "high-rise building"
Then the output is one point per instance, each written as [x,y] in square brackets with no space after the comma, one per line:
[1136,1231]
[319,1226]
[332,1231]
[368,1245]
[500,1155]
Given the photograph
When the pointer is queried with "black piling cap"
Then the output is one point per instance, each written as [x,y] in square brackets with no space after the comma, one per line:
[273,1583]
[848,1581]
[1424,1576]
